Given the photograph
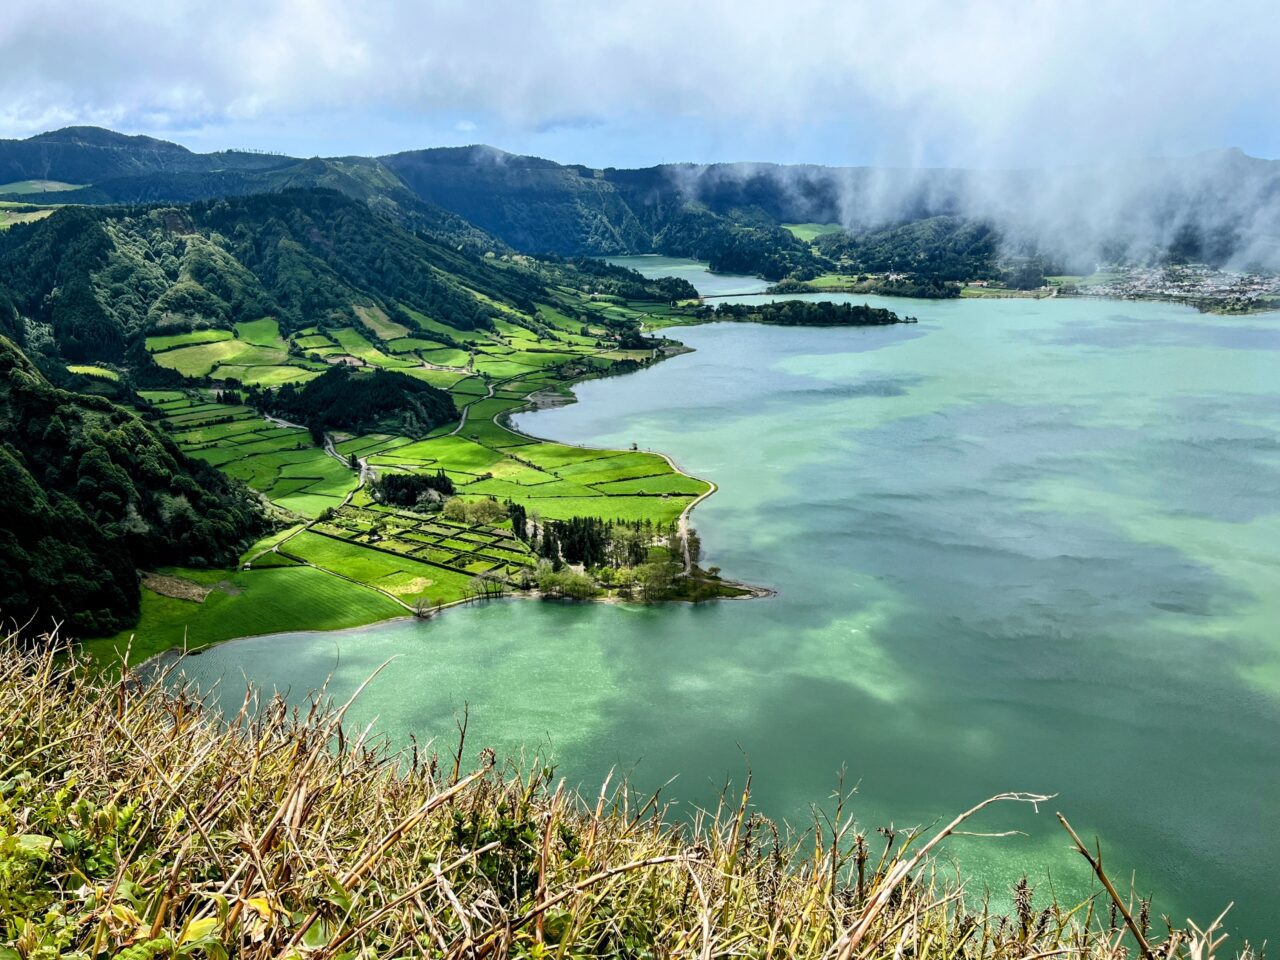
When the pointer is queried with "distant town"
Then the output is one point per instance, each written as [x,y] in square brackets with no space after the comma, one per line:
[1220,291]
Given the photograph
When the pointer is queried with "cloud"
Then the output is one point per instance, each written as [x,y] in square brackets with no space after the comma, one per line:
[958,82]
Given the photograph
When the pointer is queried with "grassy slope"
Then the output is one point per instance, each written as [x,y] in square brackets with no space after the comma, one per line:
[22,187]
[483,458]
[127,803]
[11,213]
[809,232]
[246,603]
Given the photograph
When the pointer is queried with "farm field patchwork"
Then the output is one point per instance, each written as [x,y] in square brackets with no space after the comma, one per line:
[368,560]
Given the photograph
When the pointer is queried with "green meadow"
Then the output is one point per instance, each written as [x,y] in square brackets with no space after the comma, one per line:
[23,187]
[809,232]
[368,561]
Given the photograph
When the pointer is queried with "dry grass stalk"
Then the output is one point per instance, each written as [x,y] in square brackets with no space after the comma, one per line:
[137,822]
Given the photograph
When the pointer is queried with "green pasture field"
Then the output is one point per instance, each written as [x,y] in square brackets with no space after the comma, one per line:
[544,358]
[513,331]
[500,369]
[314,342]
[657,509]
[673,483]
[408,579]
[21,187]
[250,603]
[261,333]
[444,379]
[471,386]
[268,542]
[199,360]
[12,212]
[198,414]
[410,344]
[264,376]
[90,370]
[550,456]
[831,281]
[610,472]
[355,344]
[231,432]
[489,434]
[429,326]
[809,232]
[447,357]
[382,326]
[169,341]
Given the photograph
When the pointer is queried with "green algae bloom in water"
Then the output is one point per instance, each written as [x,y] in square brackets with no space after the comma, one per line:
[1022,545]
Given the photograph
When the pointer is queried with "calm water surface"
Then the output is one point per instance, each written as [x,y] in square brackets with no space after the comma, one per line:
[695,271]
[1028,545]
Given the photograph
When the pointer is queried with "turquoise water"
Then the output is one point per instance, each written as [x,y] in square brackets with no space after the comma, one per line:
[695,271]
[1027,545]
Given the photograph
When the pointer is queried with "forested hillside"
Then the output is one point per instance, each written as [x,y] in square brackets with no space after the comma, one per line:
[938,225]
[546,207]
[93,493]
[948,248]
[301,343]
[102,277]
[383,401]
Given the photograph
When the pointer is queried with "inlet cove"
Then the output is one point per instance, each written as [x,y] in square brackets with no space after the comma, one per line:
[1023,544]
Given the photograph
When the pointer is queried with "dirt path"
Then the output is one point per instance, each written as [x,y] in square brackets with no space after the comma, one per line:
[282,423]
[462,421]
[682,525]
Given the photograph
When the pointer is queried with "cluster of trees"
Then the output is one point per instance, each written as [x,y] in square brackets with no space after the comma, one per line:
[519,520]
[737,244]
[535,205]
[940,248]
[411,489]
[544,207]
[924,288]
[485,510]
[1026,274]
[93,493]
[808,313]
[101,278]
[650,581]
[603,277]
[321,250]
[360,402]
[48,268]
[593,542]
[553,581]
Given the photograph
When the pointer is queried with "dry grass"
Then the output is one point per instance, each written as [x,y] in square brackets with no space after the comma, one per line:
[135,822]
[175,587]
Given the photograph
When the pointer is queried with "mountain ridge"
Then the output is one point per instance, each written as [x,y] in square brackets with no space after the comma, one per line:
[1220,207]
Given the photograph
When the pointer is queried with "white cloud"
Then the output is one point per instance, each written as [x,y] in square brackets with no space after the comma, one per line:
[958,81]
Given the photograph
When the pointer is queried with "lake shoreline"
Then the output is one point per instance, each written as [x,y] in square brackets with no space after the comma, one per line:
[541,398]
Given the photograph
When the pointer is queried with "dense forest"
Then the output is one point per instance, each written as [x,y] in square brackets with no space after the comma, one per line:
[342,399]
[100,278]
[944,248]
[94,493]
[931,224]
[806,313]
[412,489]
[607,278]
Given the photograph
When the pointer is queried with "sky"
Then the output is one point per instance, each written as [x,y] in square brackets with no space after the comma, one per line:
[907,83]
